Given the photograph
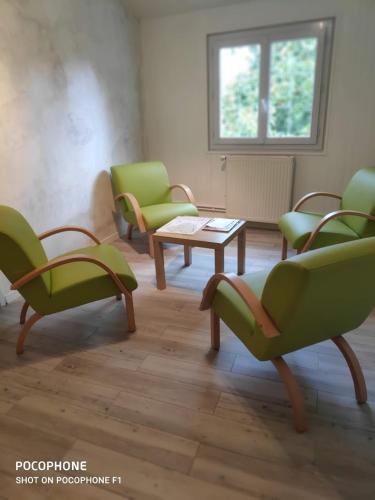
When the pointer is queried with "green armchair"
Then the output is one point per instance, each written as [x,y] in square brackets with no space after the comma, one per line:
[73,279]
[307,299]
[144,192]
[354,220]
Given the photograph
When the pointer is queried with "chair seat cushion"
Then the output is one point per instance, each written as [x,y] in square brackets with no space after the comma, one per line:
[233,310]
[297,227]
[79,283]
[158,215]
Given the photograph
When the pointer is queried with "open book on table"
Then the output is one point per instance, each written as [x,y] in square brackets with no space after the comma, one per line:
[221,224]
[184,225]
[191,225]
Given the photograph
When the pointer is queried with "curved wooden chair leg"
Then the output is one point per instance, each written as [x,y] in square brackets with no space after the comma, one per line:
[25,330]
[354,367]
[294,393]
[130,312]
[284,250]
[25,307]
[129,233]
[215,330]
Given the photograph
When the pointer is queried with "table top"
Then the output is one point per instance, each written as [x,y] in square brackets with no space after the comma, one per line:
[202,237]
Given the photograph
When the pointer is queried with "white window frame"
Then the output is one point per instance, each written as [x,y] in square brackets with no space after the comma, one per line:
[322,29]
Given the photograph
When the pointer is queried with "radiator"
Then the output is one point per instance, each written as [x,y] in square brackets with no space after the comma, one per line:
[259,188]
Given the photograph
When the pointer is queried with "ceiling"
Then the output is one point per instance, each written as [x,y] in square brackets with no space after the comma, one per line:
[158,8]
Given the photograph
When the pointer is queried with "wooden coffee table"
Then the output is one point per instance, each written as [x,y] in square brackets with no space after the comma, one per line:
[205,239]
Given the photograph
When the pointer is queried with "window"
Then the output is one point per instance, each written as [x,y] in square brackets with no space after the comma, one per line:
[268,87]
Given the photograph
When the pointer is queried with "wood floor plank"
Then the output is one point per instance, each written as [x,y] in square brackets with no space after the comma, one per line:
[220,380]
[11,491]
[5,406]
[213,430]
[144,478]
[88,394]
[20,440]
[259,414]
[62,492]
[311,369]
[346,409]
[178,350]
[62,418]
[28,440]
[260,480]
[136,382]
[9,358]
[188,336]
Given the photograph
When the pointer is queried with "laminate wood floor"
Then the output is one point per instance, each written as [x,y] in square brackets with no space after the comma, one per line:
[174,419]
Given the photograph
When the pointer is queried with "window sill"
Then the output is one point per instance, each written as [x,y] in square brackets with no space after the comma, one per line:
[268,152]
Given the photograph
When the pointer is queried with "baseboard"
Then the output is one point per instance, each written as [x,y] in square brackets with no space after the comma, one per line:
[270,226]
[11,296]
[110,239]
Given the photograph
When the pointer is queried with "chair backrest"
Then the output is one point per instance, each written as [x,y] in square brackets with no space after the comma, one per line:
[360,195]
[20,253]
[322,293]
[148,182]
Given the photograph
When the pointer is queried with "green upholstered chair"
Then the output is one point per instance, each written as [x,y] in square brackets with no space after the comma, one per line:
[144,192]
[73,279]
[304,300]
[354,220]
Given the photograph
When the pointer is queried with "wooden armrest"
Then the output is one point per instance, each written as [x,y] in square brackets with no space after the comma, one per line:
[62,229]
[313,195]
[60,261]
[187,191]
[327,218]
[129,197]
[248,296]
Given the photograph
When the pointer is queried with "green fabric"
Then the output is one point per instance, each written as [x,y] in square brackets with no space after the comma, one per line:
[66,286]
[79,283]
[148,182]
[360,195]
[297,227]
[157,215]
[233,310]
[20,253]
[311,297]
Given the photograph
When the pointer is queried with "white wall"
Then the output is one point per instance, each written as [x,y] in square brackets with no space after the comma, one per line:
[69,109]
[174,79]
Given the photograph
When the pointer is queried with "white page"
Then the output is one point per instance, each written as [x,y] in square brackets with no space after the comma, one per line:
[184,225]
[221,223]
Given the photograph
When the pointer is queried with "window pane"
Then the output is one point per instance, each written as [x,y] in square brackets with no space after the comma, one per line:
[292,79]
[239,91]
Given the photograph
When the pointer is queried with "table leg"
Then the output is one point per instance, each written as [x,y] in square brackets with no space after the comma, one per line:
[159,264]
[219,260]
[241,251]
[150,244]
[187,254]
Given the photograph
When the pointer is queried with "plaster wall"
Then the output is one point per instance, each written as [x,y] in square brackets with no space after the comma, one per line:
[69,109]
